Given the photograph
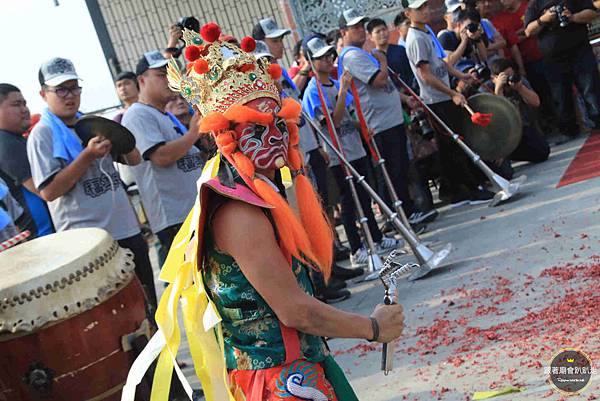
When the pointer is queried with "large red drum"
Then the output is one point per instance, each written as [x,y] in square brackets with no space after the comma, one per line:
[69,307]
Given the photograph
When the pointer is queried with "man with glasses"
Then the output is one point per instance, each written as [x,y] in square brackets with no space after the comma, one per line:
[79,182]
[382,108]
[171,163]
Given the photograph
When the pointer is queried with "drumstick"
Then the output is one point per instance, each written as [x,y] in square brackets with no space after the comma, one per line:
[479,118]
[14,240]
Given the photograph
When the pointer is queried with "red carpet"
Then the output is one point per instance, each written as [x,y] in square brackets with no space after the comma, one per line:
[586,163]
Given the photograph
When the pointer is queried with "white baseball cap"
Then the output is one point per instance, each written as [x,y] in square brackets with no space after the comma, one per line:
[317,47]
[261,50]
[414,4]
[150,60]
[351,17]
[56,71]
[269,28]
[452,5]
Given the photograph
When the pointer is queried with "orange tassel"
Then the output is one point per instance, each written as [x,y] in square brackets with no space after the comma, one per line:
[293,131]
[243,164]
[315,223]
[290,109]
[214,122]
[292,236]
[244,114]
[294,158]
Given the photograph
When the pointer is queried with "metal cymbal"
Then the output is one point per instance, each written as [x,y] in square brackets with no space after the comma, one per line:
[121,138]
[502,136]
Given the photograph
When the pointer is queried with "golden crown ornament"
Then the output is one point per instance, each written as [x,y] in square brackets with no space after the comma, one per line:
[221,74]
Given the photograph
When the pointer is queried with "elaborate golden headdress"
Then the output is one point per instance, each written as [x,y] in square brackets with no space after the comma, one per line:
[221,74]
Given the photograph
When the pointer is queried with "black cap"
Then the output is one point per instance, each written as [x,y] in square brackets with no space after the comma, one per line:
[125,75]
[149,60]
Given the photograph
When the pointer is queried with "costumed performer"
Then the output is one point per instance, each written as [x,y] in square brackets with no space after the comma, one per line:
[241,260]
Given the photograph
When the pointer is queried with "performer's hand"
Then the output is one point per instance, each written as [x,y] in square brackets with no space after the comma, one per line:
[391,322]
[459,99]
[98,147]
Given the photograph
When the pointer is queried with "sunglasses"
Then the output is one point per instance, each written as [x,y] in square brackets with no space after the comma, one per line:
[64,92]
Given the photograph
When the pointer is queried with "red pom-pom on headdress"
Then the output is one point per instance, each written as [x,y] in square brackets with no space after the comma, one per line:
[192,53]
[275,71]
[200,66]
[248,44]
[210,32]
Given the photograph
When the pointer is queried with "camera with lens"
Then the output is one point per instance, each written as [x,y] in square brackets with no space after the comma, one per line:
[190,23]
[562,19]
[482,71]
[473,27]
[421,124]
[514,78]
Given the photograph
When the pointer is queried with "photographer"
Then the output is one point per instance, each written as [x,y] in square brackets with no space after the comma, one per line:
[176,34]
[511,85]
[465,40]
[561,27]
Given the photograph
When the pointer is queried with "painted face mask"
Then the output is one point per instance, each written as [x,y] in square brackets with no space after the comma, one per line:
[265,145]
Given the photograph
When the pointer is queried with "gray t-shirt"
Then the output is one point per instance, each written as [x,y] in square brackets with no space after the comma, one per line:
[347,132]
[168,193]
[382,107]
[420,49]
[94,201]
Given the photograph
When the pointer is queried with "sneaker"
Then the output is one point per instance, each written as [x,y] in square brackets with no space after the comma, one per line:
[340,252]
[341,273]
[388,244]
[330,296]
[423,217]
[480,196]
[359,258]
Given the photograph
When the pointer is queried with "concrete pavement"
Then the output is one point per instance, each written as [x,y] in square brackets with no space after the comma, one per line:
[496,312]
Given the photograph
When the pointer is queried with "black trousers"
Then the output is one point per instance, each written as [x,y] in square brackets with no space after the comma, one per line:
[457,171]
[165,239]
[392,146]
[532,148]
[349,213]
[577,66]
[143,268]
[319,171]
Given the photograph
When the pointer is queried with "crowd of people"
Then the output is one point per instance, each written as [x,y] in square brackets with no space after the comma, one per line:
[263,251]
[536,54]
